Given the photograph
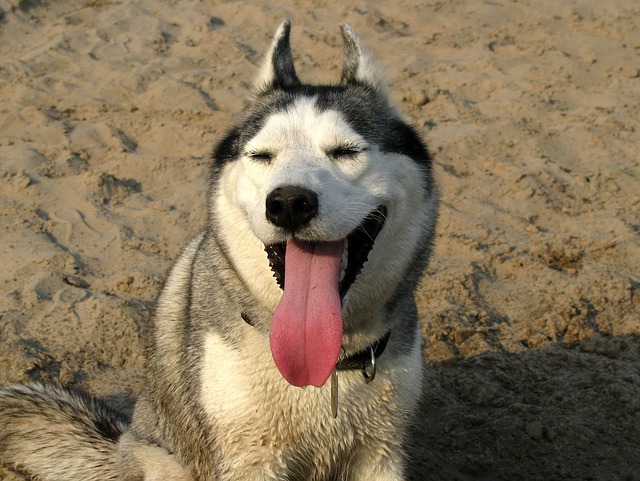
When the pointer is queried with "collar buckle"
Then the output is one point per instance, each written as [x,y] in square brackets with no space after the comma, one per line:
[371,374]
[365,360]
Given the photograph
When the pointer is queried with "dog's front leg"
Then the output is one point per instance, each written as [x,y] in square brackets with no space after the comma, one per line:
[372,466]
[141,461]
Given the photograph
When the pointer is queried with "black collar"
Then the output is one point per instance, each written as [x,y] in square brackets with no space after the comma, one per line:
[364,359]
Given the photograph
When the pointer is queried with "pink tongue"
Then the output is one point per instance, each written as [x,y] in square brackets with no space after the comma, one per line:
[306,329]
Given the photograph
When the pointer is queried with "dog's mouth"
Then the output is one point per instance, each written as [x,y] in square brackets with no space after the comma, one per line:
[306,327]
[357,247]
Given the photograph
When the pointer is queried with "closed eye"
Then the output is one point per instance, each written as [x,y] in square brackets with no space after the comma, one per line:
[260,155]
[342,152]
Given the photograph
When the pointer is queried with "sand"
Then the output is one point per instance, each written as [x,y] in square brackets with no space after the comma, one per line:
[530,309]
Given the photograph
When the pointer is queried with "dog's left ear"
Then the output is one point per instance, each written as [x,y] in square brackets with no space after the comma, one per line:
[278,70]
[358,65]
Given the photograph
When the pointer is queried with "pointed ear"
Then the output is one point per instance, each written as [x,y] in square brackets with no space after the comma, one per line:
[358,65]
[277,68]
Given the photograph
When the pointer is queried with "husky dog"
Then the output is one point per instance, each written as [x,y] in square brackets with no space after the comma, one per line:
[285,344]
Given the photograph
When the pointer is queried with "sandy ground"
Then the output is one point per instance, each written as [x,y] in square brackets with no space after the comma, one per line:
[530,306]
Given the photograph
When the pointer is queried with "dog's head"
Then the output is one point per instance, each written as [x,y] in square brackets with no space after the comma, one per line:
[324,199]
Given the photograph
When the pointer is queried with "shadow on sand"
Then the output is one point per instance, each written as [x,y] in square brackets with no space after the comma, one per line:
[560,413]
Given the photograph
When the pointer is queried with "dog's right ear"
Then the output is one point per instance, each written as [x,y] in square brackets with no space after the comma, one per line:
[278,70]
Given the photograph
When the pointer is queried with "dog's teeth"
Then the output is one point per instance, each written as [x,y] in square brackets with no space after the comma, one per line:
[344,261]
[345,256]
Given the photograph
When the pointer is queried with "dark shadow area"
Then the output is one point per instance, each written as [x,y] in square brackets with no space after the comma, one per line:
[560,413]
[122,403]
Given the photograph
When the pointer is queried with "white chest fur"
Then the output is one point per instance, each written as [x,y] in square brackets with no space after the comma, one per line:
[266,428]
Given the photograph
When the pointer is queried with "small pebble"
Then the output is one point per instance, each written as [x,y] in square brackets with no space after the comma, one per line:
[22,180]
[628,72]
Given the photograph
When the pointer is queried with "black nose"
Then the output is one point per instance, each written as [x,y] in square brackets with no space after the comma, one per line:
[291,206]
